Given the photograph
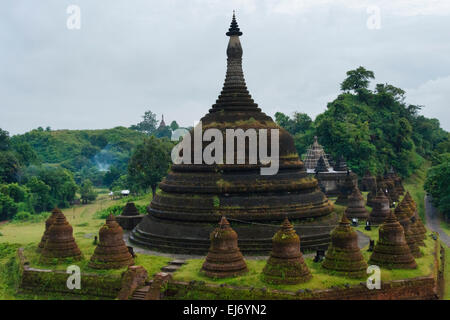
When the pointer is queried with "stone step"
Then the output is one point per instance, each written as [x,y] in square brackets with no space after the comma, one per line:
[177,262]
[170,268]
[139,294]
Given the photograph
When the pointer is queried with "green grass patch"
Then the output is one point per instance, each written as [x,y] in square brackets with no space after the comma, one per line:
[447,272]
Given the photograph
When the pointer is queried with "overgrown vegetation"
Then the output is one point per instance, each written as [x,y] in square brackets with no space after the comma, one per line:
[372,129]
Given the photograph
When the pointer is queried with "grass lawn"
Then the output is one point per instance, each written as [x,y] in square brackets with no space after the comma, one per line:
[414,184]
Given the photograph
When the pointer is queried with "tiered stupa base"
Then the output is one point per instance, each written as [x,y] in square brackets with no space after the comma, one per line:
[164,235]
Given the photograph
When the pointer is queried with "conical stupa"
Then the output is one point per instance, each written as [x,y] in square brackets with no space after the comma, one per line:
[380,209]
[224,258]
[130,210]
[193,196]
[321,165]
[372,194]
[48,223]
[417,225]
[343,256]
[313,155]
[346,189]
[368,182]
[412,242]
[392,251]
[111,251]
[340,164]
[60,242]
[286,264]
[356,206]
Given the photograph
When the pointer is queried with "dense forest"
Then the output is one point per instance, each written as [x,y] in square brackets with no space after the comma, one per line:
[372,129]
[44,168]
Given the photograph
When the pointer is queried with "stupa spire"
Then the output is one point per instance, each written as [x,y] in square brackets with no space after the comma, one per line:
[234,95]
[234,28]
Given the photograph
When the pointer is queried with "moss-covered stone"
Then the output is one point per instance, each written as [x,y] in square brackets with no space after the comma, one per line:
[343,255]
[286,264]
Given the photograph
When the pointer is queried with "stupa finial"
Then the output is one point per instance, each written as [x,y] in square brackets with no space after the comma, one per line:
[234,28]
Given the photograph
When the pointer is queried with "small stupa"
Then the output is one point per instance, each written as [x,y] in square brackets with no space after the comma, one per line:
[60,242]
[321,165]
[130,216]
[412,242]
[346,189]
[111,251]
[356,206]
[48,223]
[224,258]
[340,164]
[372,194]
[380,209]
[392,250]
[399,189]
[286,264]
[390,186]
[343,255]
[417,224]
[313,155]
[368,182]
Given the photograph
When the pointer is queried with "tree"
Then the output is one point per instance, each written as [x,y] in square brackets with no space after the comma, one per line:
[437,185]
[150,163]
[174,125]
[8,208]
[87,191]
[148,124]
[357,79]
[4,140]
[9,167]
[40,195]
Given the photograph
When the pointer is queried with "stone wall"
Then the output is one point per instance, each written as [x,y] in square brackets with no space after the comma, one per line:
[55,281]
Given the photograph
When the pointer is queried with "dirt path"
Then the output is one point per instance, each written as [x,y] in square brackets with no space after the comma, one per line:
[433,220]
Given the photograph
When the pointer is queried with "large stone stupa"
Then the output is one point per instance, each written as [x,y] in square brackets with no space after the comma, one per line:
[193,197]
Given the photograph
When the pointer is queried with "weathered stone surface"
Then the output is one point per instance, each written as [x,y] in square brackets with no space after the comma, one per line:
[194,196]
[111,251]
[346,189]
[48,223]
[130,217]
[132,279]
[60,242]
[340,164]
[343,256]
[412,242]
[286,264]
[321,165]
[224,258]
[392,250]
[368,182]
[418,230]
[380,209]
[130,210]
[313,155]
[356,206]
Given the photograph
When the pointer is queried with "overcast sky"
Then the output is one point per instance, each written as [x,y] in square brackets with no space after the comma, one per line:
[170,57]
